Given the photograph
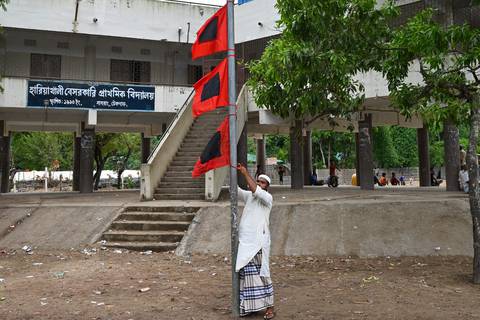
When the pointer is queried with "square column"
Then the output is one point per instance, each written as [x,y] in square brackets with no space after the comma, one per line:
[423,157]
[76,163]
[87,149]
[365,152]
[261,159]
[146,143]
[4,159]
[307,157]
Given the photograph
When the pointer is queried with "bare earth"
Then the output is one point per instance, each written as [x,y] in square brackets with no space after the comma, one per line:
[105,285]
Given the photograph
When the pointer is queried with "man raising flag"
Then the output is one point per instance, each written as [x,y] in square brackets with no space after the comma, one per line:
[256,290]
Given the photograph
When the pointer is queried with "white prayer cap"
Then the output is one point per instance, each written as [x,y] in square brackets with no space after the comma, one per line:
[264,177]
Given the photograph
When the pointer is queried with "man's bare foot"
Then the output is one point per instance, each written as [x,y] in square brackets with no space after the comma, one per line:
[269,313]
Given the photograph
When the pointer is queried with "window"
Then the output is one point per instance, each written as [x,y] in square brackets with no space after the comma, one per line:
[195,73]
[130,71]
[45,65]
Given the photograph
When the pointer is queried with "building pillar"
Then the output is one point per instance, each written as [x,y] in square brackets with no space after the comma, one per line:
[307,157]
[146,143]
[452,155]
[87,149]
[90,62]
[261,159]
[365,152]
[357,157]
[76,162]
[4,159]
[423,157]
[296,155]
[242,156]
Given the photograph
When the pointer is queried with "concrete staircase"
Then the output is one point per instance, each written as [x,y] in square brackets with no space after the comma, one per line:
[177,183]
[149,228]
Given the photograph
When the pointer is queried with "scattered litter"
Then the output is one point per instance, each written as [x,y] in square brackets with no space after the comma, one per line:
[182,282]
[29,277]
[103,242]
[284,197]
[355,227]
[27,248]
[99,219]
[187,262]
[43,303]
[144,289]
[93,302]
[2,280]
[101,304]
[214,274]
[2,298]
[43,299]
[97,292]
[370,279]
[89,252]
[201,270]
[147,253]
[225,259]
[437,248]
[59,275]
[117,251]
[103,248]
[37,263]
[12,227]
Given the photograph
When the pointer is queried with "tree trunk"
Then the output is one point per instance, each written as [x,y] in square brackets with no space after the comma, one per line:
[119,178]
[329,159]
[452,155]
[474,192]
[98,174]
[296,155]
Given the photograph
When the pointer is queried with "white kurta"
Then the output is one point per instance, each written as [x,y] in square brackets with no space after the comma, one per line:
[254,228]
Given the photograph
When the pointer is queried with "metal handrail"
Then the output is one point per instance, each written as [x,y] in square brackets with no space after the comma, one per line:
[164,134]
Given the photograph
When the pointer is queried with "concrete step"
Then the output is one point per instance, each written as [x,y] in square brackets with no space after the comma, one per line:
[146,225]
[194,145]
[144,246]
[156,216]
[143,236]
[180,168]
[178,174]
[158,196]
[193,183]
[187,190]
[185,179]
[162,209]
[182,162]
[186,158]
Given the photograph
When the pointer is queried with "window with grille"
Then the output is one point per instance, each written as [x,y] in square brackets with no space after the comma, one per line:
[45,65]
[129,71]
[195,73]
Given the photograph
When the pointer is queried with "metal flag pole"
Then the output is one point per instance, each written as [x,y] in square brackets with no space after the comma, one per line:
[232,112]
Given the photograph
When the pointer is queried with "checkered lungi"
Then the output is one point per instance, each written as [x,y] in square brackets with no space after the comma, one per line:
[256,292]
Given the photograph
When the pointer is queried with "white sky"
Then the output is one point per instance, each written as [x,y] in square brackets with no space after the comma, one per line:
[216,2]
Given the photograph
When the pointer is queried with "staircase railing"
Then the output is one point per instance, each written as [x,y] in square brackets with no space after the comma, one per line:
[214,179]
[153,171]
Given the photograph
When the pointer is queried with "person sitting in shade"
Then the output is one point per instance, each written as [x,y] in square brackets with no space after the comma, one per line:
[393,180]
[256,290]
[383,180]
[463,178]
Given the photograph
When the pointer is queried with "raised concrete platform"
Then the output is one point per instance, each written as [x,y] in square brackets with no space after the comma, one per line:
[313,221]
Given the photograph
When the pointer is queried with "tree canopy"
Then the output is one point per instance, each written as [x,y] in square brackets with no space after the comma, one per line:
[309,70]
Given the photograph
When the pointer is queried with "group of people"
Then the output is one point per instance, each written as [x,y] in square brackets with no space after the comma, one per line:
[383,181]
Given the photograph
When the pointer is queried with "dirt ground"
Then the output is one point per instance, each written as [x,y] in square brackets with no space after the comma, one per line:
[107,284]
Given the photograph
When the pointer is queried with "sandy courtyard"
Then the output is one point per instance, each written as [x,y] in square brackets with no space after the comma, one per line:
[108,285]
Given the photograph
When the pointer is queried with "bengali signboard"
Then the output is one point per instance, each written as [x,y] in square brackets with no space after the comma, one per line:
[77,95]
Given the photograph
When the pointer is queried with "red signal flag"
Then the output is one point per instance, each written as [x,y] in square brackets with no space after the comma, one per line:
[217,152]
[212,36]
[211,91]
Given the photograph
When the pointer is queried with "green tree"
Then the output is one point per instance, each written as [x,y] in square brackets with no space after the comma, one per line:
[384,151]
[449,64]
[37,150]
[308,72]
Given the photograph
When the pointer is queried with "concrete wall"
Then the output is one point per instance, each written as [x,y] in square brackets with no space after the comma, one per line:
[369,229]
[159,19]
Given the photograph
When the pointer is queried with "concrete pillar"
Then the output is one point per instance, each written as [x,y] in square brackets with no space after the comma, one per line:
[357,157]
[452,155]
[4,159]
[307,157]
[296,155]
[365,152]
[90,62]
[242,155]
[261,158]
[423,157]
[146,143]
[87,149]
[76,163]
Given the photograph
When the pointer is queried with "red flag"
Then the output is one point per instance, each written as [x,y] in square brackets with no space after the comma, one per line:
[211,91]
[212,36]
[217,152]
